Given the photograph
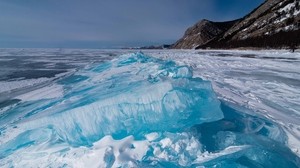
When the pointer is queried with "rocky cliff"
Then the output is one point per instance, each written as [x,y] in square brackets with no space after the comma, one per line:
[274,24]
[201,33]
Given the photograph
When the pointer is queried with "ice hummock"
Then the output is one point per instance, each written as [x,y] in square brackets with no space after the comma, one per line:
[138,111]
[131,95]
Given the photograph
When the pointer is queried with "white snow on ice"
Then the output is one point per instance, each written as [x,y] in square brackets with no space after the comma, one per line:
[267,82]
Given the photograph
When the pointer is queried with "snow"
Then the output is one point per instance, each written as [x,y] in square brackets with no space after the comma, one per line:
[244,29]
[286,9]
[11,85]
[109,152]
[48,92]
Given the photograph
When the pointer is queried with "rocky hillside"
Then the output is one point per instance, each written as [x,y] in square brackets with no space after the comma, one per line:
[275,24]
[201,33]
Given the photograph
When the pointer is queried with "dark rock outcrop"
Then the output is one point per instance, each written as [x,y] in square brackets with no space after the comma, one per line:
[201,33]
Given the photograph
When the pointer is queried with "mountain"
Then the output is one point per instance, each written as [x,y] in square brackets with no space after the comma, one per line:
[201,33]
[274,24]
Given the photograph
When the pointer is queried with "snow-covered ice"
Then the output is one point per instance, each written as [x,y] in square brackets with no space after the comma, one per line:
[267,82]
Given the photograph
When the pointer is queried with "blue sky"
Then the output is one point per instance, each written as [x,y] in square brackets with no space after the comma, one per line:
[108,23]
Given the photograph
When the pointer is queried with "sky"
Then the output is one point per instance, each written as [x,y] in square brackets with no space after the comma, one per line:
[108,23]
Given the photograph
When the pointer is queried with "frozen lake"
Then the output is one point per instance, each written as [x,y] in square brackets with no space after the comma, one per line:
[161,108]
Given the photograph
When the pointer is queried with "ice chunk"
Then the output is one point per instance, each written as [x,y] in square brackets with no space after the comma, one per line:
[118,99]
[263,143]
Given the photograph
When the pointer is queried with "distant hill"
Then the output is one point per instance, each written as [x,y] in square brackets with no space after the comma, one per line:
[152,47]
[165,46]
[274,24]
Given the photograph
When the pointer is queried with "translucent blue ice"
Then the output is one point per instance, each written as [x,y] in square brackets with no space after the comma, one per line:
[131,95]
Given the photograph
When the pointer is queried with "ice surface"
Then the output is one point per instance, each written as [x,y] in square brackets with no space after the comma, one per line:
[139,111]
[267,82]
[132,95]
[238,140]
[140,94]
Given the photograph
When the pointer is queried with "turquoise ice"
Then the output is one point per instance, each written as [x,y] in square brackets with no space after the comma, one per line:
[131,95]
